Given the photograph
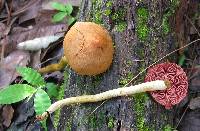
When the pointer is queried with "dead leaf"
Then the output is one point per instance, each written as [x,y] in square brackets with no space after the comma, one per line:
[5,47]
[1,4]
[15,37]
[31,13]
[46,16]
[7,115]
[46,5]
[2,29]
[35,60]
[57,75]
[8,65]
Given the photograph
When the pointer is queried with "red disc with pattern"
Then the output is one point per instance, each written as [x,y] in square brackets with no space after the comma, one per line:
[178,87]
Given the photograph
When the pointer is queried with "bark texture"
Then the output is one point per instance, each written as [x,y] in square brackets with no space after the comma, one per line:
[132,55]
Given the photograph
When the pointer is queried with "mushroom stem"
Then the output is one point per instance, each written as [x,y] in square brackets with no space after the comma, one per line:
[125,91]
[54,67]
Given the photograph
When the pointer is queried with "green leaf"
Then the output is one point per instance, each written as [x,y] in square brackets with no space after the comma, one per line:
[70,20]
[31,76]
[52,90]
[15,93]
[68,8]
[59,16]
[41,102]
[58,6]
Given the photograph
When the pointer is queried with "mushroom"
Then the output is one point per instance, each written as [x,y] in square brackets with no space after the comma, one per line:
[167,83]
[178,83]
[125,91]
[88,50]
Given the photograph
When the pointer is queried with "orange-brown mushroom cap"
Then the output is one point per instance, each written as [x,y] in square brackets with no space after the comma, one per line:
[88,48]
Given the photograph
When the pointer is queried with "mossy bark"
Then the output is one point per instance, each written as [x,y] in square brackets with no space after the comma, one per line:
[132,55]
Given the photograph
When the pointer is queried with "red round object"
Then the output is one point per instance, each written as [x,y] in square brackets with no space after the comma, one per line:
[178,83]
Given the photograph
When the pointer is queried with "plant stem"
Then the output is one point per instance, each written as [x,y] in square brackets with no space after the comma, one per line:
[54,67]
[125,91]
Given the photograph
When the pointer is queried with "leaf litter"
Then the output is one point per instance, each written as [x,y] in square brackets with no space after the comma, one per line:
[24,21]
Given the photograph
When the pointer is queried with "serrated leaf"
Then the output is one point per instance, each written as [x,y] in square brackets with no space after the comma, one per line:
[70,20]
[68,8]
[15,93]
[58,6]
[31,76]
[59,16]
[52,90]
[41,102]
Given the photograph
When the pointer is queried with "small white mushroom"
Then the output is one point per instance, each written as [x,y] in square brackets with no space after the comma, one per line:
[38,43]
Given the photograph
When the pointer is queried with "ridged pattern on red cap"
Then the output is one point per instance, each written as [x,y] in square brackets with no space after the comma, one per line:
[178,79]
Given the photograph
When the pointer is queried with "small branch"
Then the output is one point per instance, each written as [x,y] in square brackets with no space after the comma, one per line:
[54,67]
[125,91]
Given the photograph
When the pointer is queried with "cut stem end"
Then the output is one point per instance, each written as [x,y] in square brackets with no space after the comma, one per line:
[167,83]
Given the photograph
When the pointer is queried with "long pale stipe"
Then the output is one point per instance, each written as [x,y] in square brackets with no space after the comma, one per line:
[125,91]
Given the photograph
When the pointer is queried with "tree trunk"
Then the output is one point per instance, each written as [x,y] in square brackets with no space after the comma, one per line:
[141,36]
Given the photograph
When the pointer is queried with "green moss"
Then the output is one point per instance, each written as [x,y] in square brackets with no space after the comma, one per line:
[170,12]
[107,12]
[119,14]
[167,128]
[142,14]
[68,127]
[101,119]
[109,3]
[118,19]
[129,62]
[142,29]
[111,122]
[174,5]
[92,121]
[96,15]
[140,52]
[153,49]
[60,96]
[121,26]
[96,80]
[165,25]
[96,121]
[126,79]
[139,106]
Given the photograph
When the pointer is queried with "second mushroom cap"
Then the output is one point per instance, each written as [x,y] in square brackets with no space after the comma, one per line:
[178,83]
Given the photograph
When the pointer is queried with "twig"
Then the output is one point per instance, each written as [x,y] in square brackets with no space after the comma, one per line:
[20,11]
[182,117]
